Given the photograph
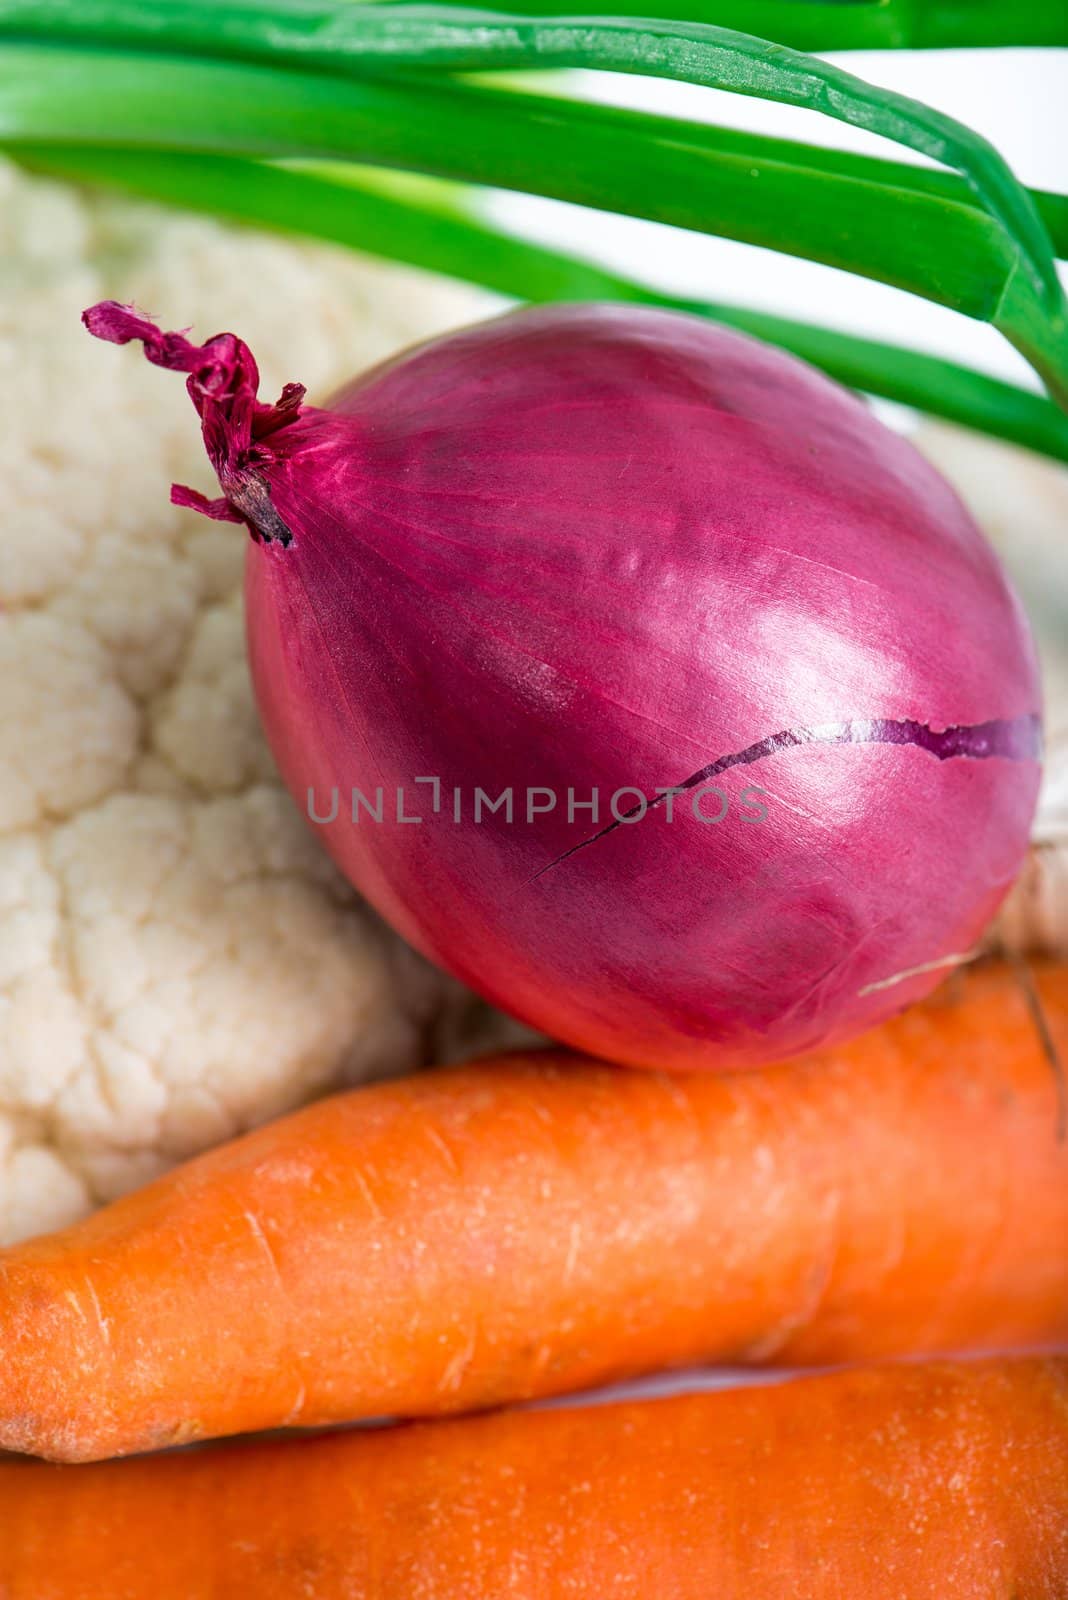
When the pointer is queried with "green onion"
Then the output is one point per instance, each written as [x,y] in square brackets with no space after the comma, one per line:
[456,130]
[802,24]
[864,24]
[651,167]
[337,36]
[379,84]
[431,225]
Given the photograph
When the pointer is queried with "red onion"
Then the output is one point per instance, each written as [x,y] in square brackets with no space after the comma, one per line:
[605,548]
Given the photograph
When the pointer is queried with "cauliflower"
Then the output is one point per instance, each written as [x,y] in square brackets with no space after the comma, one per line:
[178,958]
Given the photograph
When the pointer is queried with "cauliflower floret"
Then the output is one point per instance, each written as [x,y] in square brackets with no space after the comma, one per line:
[178,957]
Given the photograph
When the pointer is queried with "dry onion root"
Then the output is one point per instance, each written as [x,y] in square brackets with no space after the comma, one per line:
[1034,918]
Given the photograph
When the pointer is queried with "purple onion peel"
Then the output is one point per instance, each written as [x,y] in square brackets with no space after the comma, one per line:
[619,550]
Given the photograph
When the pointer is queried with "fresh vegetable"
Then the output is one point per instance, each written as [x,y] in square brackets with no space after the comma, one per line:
[327,78]
[178,958]
[278,988]
[802,24]
[615,656]
[942,1482]
[439,226]
[534,1225]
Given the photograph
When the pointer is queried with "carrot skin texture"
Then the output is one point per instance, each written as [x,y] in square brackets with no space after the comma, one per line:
[940,1482]
[534,1226]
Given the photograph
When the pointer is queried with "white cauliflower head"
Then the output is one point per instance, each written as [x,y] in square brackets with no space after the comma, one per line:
[178,958]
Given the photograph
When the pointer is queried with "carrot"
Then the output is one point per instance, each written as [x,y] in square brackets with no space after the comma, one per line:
[906,1483]
[530,1226]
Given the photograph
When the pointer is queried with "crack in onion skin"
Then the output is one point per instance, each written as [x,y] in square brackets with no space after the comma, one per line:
[579,548]
[1018,739]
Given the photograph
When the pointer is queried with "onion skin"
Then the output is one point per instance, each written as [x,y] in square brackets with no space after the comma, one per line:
[599,547]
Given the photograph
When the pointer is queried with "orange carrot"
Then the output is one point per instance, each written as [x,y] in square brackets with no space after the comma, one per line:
[947,1482]
[535,1225]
